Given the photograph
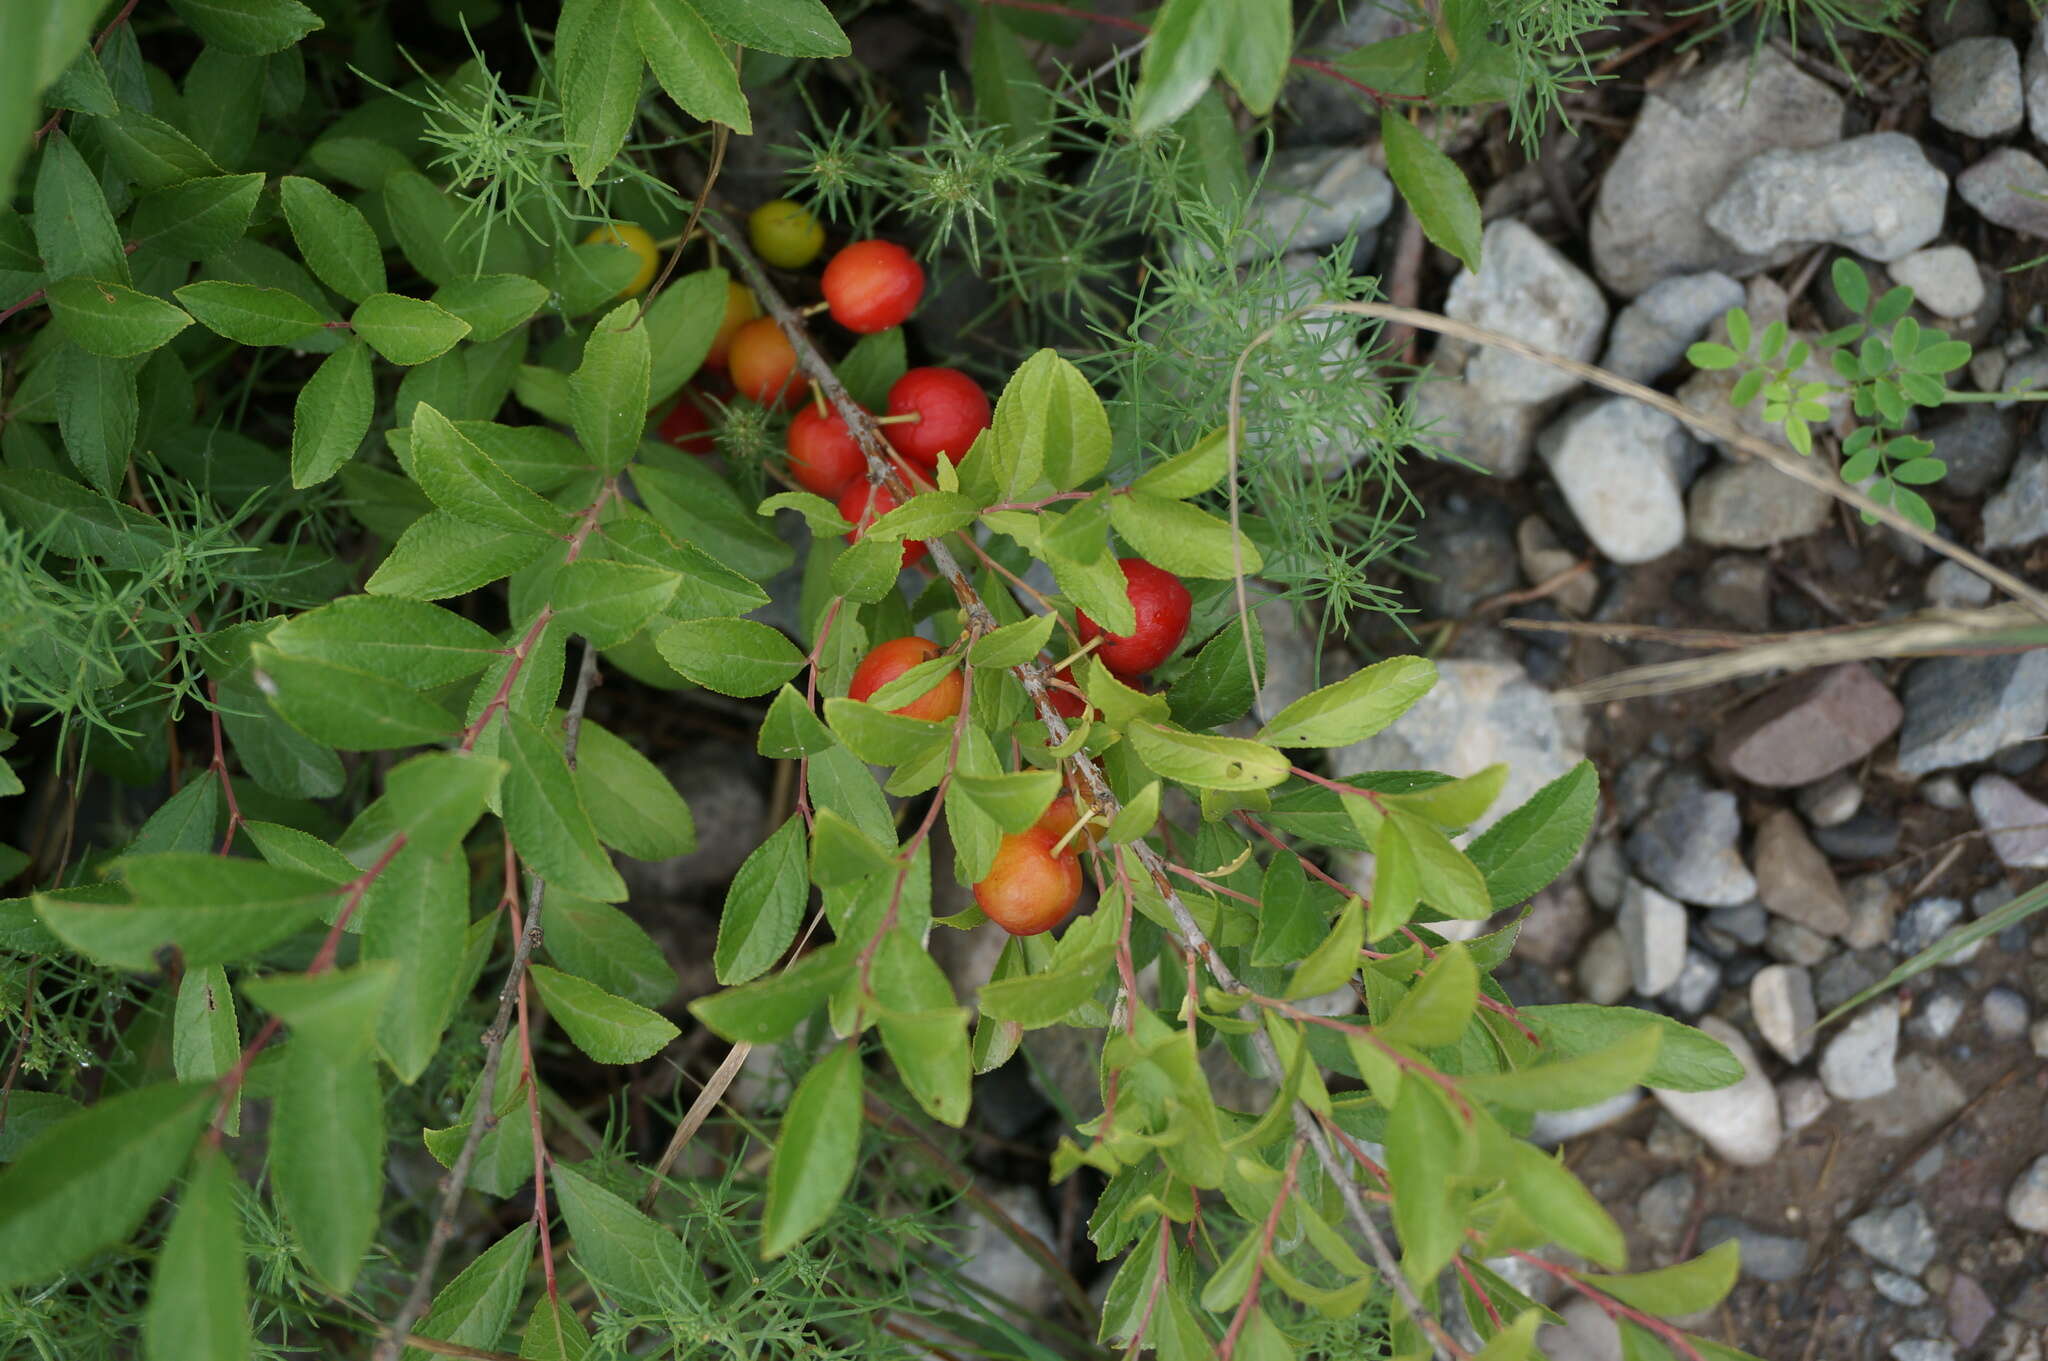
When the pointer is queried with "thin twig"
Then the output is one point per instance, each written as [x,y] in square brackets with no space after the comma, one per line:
[694,1118]
[485,1117]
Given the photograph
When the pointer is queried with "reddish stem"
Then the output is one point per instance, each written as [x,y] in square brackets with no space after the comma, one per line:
[1251,1293]
[520,651]
[219,766]
[540,1149]
[1611,1306]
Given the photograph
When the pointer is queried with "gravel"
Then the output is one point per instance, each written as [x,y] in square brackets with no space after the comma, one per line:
[1944,280]
[1781,1001]
[1877,195]
[1901,1238]
[1526,289]
[1687,845]
[2016,820]
[1740,1123]
[1653,930]
[1860,1060]
[1960,710]
[1975,87]
[2008,188]
[1622,467]
[1651,334]
[2026,1204]
[1748,503]
[1793,878]
[2018,514]
[1313,199]
[1764,1256]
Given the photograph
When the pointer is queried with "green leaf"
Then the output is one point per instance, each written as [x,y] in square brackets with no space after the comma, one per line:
[1187,42]
[792,729]
[764,907]
[789,28]
[187,821]
[623,1251]
[1551,1196]
[72,522]
[546,818]
[608,602]
[327,1159]
[631,803]
[872,367]
[441,555]
[1435,1011]
[1533,844]
[214,909]
[475,1308]
[205,1040]
[152,152]
[1434,187]
[464,480]
[607,1028]
[74,229]
[929,1049]
[767,1010]
[598,942]
[345,708]
[192,220]
[1014,801]
[687,59]
[1216,688]
[608,393]
[333,236]
[424,219]
[880,737]
[416,644]
[416,915]
[1185,540]
[1012,644]
[554,1333]
[1043,999]
[1445,878]
[925,516]
[1687,1060]
[1569,1083]
[1675,1291]
[198,1306]
[815,1152]
[432,800]
[1454,804]
[1049,427]
[1354,708]
[335,1011]
[113,320]
[1007,90]
[331,414]
[1255,57]
[680,325]
[97,412]
[37,42]
[492,304]
[1426,1148]
[866,572]
[406,330]
[86,1183]
[697,507]
[249,315]
[598,69]
[1206,762]
[732,656]
[1331,964]
[248,28]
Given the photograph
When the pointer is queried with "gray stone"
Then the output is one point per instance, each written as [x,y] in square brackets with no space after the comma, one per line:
[1861,1059]
[1877,195]
[1793,878]
[1764,1256]
[2018,514]
[2028,372]
[1465,424]
[1870,835]
[1829,803]
[2016,820]
[1652,333]
[1809,727]
[1781,1001]
[1293,657]
[1557,922]
[1963,709]
[1923,1349]
[1621,466]
[1974,87]
[2037,83]
[1952,586]
[1544,557]
[1551,1128]
[1944,792]
[1313,199]
[1924,923]
[1605,873]
[1944,280]
[1737,586]
[1477,714]
[1970,1310]
[1795,944]
[718,783]
[1699,983]
[1845,975]
[1976,446]
[2026,1204]
[1653,928]
[992,1261]
[1901,1237]
[1750,504]
[1899,1289]
[1648,221]
[1740,1123]
[1872,913]
[1603,972]
[2037,1038]
[1926,1097]
[1802,1100]
[1687,845]
[2005,1014]
[1936,1016]
[2008,188]
[1467,547]
[1526,289]
[1587,1334]
[1746,924]
[1665,1206]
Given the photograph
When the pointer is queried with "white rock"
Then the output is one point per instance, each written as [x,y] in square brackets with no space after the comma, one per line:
[992,1261]
[1974,87]
[1526,289]
[1587,1334]
[1781,999]
[1861,1060]
[1652,333]
[2018,514]
[1551,1128]
[1622,466]
[1465,424]
[2037,1038]
[1314,199]
[1944,280]
[1802,1100]
[2037,82]
[2026,1204]
[1952,586]
[1653,928]
[2016,821]
[1603,971]
[1741,1123]
[2006,188]
[1877,195]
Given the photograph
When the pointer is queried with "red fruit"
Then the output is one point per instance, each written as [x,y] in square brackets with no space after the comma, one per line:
[1066,703]
[951,409]
[823,455]
[892,659]
[863,503]
[763,364]
[1028,889]
[1161,604]
[740,308]
[872,285]
[688,428]
[1059,818]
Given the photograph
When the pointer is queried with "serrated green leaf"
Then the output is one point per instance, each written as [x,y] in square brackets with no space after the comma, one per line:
[464,480]
[249,27]
[790,28]
[331,415]
[1206,762]
[597,941]
[1533,844]
[198,1306]
[608,393]
[767,1010]
[623,1251]
[346,708]
[607,1028]
[415,916]
[441,555]
[333,236]
[544,813]
[815,1152]
[1187,43]
[599,69]
[192,220]
[1354,708]
[475,1308]
[1434,187]
[327,1159]
[214,909]
[732,656]
[687,59]
[251,315]
[113,320]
